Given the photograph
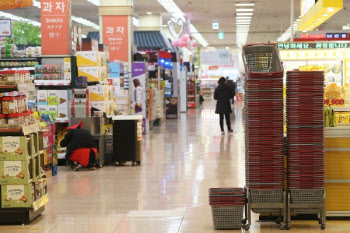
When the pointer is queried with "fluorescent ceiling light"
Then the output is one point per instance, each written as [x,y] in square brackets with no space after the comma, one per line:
[286,35]
[149,13]
[165,25]
[324,15]
[176,12]
[244,17]
[243,23]
[18,18]
[246,10]
[227,47]
[243,20]
[245,4]
[243,14]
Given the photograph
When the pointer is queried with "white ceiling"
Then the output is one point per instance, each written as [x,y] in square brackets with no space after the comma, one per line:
[270,19]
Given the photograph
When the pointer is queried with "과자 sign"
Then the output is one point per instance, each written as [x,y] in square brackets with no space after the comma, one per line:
[115,34]
[55,27]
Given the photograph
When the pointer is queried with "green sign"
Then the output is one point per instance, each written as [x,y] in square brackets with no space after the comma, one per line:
[221,35]
[315,45]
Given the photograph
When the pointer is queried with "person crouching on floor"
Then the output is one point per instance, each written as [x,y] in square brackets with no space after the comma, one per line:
[80,149]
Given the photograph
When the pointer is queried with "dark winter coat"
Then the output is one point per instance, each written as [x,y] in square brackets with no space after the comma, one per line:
[223,94]
[76,139]
[232,86]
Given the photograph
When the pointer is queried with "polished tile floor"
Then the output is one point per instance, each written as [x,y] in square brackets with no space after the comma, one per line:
[182,159]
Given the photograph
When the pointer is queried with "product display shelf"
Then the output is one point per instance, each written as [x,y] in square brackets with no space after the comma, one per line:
[18,68]
[337,171]
[31,188]
[52,82]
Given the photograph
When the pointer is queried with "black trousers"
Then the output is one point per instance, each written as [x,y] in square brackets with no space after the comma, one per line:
[228,121]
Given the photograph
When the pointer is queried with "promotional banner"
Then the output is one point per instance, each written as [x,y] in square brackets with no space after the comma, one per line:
[12,4]
[115,34]
[139,91]
[5,28]
[216,58]
[55,27]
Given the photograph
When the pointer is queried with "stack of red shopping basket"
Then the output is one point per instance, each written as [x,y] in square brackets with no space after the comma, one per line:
[305,100]
[263,117]
[227,207]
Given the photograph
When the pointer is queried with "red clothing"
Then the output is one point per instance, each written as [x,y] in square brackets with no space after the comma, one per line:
[82,155]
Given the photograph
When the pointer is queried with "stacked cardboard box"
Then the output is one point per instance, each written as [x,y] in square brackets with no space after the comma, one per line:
[20,171]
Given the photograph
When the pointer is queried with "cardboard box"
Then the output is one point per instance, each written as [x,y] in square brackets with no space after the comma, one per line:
[42,97]
[62,111]
[15,196]
[42,109]
[87,58]
[15,148]
[62,96]
[53,111]
[16,172]
[52,98]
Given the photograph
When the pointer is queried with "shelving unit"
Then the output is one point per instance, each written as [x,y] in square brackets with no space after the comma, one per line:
[337,171]
[191,92]
[23,196]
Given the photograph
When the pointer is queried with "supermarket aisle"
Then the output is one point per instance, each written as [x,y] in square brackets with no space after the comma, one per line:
[168,193]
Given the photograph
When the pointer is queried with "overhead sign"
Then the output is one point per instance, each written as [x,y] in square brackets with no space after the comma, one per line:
[215,26]
[216,58]
[115,34]
[323,37]
[55,27]
[336,35]
[318,13]
[221,35]
[5,28]
[320,45]
[12,4]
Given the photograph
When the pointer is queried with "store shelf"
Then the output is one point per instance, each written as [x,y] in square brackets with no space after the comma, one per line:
[52,82]
[18,68]
[19,59]
[337,132]
[12,93]
[40,203]
[25,87]
[13,87]
[338,213]
[341,109]
[61,120]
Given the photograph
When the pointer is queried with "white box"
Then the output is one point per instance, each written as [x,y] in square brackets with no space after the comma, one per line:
[42,97]
[62,111]
[42,109]
[62,97]
[94,72]
[52,97]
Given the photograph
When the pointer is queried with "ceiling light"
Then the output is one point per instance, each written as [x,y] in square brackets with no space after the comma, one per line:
[243,20]
[227,47]
[247,23]
[18,18]
[243,17]
[246,10]
[245,4]
[319,19]
[165,25]
[324,15]
[149,13]
[304,31]
[243,14]
[330,9]
[95,2]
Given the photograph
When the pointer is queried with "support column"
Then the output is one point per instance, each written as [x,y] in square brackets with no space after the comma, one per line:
[116,29]
[150,23]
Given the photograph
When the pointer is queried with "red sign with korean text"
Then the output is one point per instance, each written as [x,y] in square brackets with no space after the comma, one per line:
[55,27]
[115,34]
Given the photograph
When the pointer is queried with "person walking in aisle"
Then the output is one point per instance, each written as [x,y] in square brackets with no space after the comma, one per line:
[232,86]
[223,94]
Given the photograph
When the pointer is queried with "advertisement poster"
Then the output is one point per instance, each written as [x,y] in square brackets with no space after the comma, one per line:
[13,4]
[138,84]
[171,108]
[55,30]
[115,34]
[216,58]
